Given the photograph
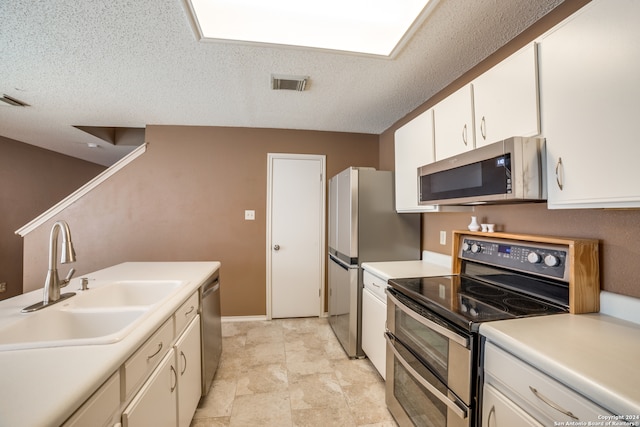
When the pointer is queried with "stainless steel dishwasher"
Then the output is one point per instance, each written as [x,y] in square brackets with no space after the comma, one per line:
[211,330]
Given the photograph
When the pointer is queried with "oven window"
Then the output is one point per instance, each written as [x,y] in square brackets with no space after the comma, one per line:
[417,402]
[430,346]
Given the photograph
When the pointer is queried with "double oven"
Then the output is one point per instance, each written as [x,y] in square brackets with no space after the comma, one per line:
[433,370]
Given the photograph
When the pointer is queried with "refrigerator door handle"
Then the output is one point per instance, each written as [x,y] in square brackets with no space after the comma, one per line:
[337,261]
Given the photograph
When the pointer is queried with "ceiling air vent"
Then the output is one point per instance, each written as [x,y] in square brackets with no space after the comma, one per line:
[13,101]
[280,82]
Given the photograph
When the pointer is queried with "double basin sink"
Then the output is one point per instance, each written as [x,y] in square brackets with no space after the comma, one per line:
[101,315]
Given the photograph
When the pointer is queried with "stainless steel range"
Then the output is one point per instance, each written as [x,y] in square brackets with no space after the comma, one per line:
[433,359]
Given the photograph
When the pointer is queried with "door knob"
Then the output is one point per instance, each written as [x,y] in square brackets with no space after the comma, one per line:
[276,247]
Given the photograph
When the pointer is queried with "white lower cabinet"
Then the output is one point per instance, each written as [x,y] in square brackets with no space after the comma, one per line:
[515,388]
[155,404]
[171,394]
[374,319]
[189,372]
[158,385]
[99,409]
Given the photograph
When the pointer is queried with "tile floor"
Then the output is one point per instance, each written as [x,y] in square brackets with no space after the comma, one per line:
[291,372]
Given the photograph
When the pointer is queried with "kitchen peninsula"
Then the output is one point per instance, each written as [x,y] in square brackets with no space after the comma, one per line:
[45,386]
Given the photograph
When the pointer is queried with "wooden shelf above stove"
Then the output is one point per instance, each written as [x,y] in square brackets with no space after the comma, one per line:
[583,255]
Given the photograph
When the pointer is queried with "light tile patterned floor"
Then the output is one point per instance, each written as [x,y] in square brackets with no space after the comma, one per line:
[291,372]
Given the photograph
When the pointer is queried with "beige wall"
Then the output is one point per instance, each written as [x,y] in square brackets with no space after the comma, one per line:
[31,181]
[184,199]
[617,230]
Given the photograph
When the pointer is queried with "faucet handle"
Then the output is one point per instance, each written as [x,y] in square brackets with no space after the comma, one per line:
[67,279]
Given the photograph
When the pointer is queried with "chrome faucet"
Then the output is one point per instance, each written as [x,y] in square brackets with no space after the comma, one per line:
[53,284]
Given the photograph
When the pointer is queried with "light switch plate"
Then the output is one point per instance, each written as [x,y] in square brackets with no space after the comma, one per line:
[250,215]
[443,237]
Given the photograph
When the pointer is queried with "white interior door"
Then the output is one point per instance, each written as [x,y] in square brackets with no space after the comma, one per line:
[295,241]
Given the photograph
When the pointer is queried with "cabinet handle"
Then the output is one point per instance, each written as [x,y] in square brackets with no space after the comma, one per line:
[156,353]
[483,128]
[559,174]
[492,411]
[175,378]
[546,400]
[185,363]
[190,311]
[464,134]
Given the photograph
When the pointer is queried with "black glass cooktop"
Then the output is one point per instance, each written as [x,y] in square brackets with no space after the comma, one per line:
[467,302]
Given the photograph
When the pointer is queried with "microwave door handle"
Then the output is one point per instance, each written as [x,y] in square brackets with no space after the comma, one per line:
[461,413]
[429,324]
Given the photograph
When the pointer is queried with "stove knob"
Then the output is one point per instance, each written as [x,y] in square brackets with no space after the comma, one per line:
[534,257]
[466,246]
[473,312]
[551,260]
[476,248]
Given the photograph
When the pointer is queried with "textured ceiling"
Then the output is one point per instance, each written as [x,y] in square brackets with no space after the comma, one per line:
[129,63]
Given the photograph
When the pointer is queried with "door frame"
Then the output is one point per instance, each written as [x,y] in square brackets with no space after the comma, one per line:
[323,186]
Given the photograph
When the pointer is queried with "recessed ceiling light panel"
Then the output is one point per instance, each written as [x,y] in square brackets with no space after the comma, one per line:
[374,27]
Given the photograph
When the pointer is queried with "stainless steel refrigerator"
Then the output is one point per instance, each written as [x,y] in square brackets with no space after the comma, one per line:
[363,227]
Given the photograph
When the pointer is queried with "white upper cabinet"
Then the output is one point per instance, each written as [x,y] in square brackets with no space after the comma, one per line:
[453,118]
[413,148]
[505,99]
[590,104]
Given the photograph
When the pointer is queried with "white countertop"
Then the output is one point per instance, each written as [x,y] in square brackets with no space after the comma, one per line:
[595,354]
[432,264]
[43,387]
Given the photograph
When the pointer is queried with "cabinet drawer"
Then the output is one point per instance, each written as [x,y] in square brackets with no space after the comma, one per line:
[535,390]
[376,284]
[99,408]
[498,411]
[138,366]
[155,404]
[186,312]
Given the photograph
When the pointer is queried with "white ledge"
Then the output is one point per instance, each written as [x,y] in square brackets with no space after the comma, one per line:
[76,195]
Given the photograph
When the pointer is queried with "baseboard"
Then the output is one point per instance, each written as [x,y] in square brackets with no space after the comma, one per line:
[242,318]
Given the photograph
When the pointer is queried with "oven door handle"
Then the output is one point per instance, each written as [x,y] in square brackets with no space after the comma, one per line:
[464,341]
[452,405]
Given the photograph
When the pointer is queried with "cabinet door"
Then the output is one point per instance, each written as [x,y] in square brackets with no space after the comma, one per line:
[505,99]
[453,121]
[189,372]
[589,68]
[413,148]
[100,407]
[374,316]
[499,411]
[155,404]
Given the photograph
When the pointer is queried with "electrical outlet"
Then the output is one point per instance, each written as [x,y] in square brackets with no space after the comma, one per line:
[249,215]
[443,237]
[3,287]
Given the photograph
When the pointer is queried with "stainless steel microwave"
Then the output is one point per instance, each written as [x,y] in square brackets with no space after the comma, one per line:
[512,170]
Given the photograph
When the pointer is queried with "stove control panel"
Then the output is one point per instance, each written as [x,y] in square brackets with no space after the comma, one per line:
[537,258]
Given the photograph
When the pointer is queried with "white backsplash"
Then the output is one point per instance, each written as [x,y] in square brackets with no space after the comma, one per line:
[620,306]
[436,258]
